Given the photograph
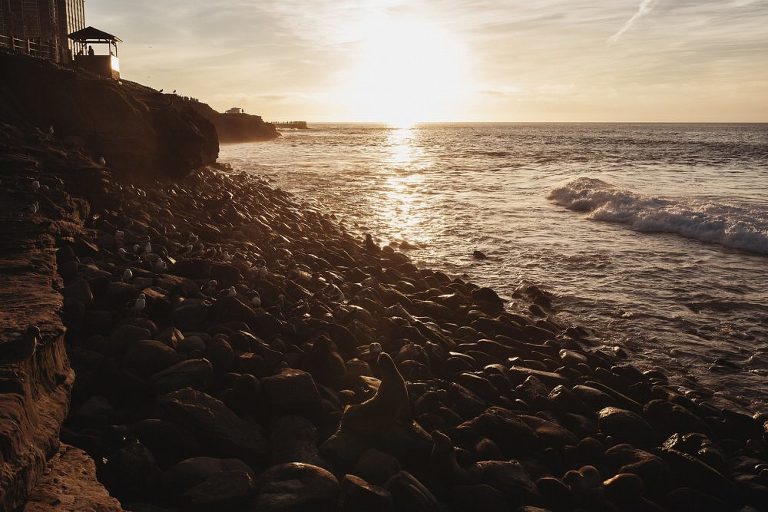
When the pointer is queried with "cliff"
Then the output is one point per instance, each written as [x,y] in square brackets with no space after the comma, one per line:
[237,127]
[138,131]
[40,212]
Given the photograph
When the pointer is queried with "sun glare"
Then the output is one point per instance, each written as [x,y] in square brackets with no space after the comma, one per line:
[406,72]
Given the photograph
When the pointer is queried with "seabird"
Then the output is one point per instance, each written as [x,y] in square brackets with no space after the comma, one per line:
[127,274]
[139,304]
[35,185]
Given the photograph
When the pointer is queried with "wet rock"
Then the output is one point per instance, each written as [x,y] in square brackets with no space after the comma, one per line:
[79,289]
[294,439]
[148,357]
[226,275]
[626,426]
[192,373]
[479,497]
[191,315]
[216,427]
[509,477]
[191,344]
[624,488]
[376,466]
[594,398]
[357,494]
[505,428]
[219,352]
[555,493]
[192,472]
[132,473]
[549,433]
[669,418]
[699,475]
[295,487]
[410,495]
[291,390]
[655,473]
[228,490]
[686,499]
[168,442]
[192,268]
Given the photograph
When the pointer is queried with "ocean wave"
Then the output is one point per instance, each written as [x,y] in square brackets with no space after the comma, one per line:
[734,226]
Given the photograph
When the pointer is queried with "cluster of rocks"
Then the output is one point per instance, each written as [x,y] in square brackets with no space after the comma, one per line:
[238,350]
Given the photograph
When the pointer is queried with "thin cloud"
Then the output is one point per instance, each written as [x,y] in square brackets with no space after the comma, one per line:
[645,8]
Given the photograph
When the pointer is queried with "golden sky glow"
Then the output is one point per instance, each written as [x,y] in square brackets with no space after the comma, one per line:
[453,60]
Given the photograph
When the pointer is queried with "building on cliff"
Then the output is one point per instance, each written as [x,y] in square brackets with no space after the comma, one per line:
[42,26]
[105,63]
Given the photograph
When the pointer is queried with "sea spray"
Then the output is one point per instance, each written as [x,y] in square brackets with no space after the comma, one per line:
[735,226]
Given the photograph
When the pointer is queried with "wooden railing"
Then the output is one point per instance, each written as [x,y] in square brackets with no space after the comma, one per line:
[29,47]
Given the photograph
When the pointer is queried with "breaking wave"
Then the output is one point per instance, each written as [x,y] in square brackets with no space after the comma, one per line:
[737,227]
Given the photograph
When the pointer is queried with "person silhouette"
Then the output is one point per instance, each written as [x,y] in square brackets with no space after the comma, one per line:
[90,50]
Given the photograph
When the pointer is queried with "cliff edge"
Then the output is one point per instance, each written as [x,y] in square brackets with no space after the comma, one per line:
[136,130]
[237,127]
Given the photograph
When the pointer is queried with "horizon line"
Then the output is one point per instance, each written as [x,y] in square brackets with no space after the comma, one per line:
[516,122]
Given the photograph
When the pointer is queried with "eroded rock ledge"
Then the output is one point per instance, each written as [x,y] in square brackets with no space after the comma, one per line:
[34,391]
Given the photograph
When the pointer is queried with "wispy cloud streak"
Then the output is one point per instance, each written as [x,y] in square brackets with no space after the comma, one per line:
[645,8]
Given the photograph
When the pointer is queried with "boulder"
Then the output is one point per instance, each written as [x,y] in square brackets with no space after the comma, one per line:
[626,426]
[148,357]
[295,487]
[219,430]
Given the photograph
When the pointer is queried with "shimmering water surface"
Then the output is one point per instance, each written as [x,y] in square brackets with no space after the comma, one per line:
[656,236]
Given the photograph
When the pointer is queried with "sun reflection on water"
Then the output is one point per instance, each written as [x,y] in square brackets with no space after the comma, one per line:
[402,198]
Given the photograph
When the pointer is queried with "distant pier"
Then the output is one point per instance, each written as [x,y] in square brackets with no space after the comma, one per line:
[299,125]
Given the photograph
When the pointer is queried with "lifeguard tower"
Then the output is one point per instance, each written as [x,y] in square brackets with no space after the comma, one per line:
[91,55]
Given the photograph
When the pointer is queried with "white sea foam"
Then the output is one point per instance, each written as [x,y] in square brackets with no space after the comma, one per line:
[736,226]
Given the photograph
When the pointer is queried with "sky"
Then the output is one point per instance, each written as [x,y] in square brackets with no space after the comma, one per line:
[452,60]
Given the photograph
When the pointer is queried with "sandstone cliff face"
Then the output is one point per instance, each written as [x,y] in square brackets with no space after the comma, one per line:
[237,127]
[39,210]
[138,131]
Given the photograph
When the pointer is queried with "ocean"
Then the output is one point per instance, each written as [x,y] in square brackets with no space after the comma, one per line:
[654,236]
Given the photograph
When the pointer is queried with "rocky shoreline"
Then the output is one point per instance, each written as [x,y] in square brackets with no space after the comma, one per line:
[236,349]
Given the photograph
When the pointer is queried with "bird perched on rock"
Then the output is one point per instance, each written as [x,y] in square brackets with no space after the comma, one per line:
[35,185]
[102,161]
[127,275]
[21,347]
[139,304]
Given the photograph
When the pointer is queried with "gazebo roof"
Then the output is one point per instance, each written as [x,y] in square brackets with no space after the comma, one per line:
[93,34]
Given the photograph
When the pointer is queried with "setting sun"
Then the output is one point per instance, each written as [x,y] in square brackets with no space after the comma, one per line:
[405,72]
